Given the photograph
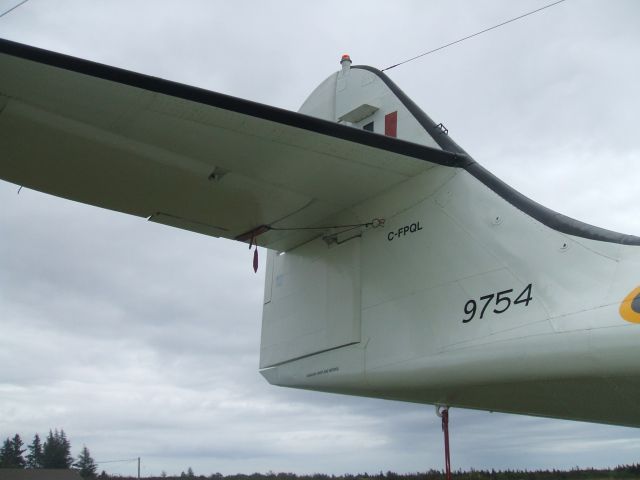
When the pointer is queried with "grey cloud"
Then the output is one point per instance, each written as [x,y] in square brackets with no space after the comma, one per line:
[142,340]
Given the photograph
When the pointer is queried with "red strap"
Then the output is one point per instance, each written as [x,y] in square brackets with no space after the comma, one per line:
[255,260]
[254,243]
[445,429]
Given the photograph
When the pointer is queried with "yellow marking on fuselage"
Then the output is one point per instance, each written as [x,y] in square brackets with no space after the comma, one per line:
[629,309]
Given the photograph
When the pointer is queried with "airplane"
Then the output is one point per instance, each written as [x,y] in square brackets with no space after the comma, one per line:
[398,267]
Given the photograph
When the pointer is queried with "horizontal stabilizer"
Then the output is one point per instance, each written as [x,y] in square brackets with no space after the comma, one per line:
[187,157]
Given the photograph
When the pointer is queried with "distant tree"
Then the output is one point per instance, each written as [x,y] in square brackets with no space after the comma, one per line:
[18,451]
[6,454]
[11,453]
[86,464]
[190,473]
[56,451]
[34,457]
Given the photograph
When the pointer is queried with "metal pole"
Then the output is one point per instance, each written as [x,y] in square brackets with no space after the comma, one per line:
[445,429]
[443,413]
[138,467]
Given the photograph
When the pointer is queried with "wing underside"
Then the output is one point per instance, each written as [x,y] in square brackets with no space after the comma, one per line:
[187,157]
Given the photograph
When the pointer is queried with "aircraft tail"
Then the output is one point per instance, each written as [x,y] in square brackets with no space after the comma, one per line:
[468,294]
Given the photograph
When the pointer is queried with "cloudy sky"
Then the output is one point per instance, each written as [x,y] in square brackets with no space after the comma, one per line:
[142,340]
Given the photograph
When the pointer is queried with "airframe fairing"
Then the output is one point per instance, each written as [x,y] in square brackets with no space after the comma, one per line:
[398,267]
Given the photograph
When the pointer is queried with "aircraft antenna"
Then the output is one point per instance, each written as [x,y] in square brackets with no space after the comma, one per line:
[252,235]
[474,34]
[13,8]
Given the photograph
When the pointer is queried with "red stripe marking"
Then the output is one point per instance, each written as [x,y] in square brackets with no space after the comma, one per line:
[391,124]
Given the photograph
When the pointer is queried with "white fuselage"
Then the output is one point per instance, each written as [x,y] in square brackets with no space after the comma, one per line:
[460,298]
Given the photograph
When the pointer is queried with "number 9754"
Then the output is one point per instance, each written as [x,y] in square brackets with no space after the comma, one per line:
[500,300]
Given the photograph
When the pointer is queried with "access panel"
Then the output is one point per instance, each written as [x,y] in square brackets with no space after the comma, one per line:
[312,301]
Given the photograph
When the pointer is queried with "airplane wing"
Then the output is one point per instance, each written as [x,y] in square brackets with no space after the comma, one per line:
[184,156]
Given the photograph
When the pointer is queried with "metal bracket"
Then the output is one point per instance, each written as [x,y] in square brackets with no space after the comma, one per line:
[440,408]
[442,128]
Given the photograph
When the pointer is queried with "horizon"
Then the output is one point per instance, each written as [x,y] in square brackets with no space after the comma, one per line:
[142,338]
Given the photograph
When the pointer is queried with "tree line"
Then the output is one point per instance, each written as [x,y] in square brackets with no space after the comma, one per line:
[621,472]
[54,452]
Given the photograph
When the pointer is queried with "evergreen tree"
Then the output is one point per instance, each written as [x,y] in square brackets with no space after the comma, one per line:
[86,464]
[56,451]
[66,449]
[5,454]
[11,453]
[35,457]
[18,451]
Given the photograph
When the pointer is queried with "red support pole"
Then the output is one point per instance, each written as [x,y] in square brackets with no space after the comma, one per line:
[445,428]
